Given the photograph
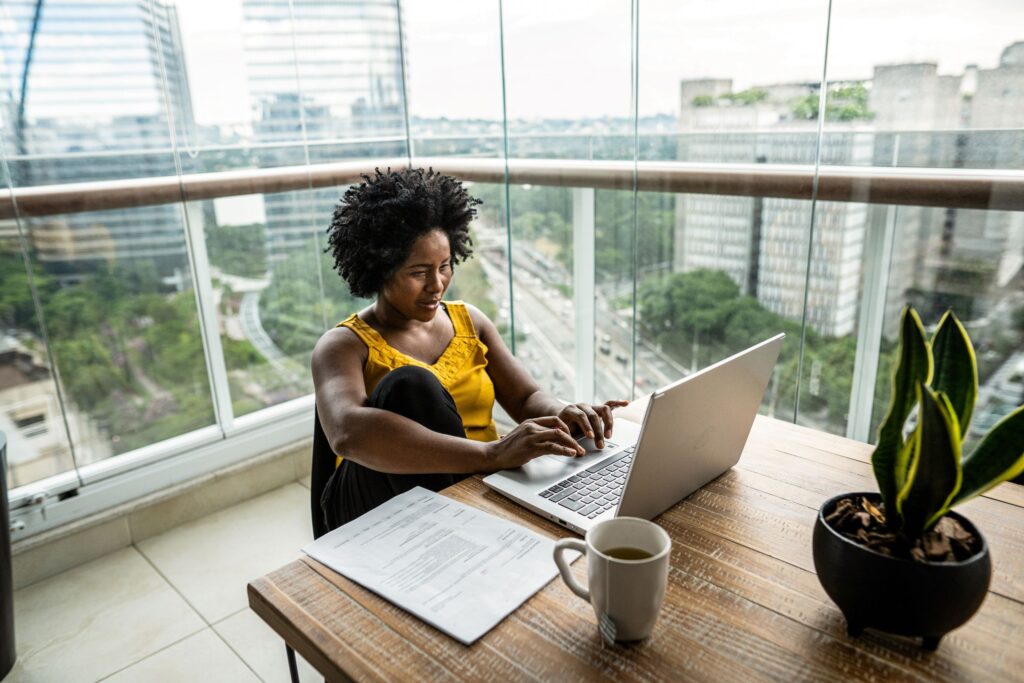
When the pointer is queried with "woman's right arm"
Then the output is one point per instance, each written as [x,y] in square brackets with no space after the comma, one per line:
[389,442]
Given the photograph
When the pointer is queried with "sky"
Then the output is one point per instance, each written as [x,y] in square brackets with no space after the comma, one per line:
[571,58]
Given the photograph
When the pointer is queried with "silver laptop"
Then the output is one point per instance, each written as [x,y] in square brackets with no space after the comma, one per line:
[692,431]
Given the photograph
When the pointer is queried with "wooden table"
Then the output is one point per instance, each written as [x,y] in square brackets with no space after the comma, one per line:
[743,601]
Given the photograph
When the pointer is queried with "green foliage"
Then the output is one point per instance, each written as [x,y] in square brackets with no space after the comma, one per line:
[128,352]
[1017,319]
[914,367]
[470,285]
[700,316]
[702,101]
[933,475]
[747,97]
[844,103]
[17,309]
[956,370]
[238,249]
[923,475]
[294,311]
[88,369]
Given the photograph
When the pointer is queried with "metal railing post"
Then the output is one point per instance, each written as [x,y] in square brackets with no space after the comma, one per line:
[877,262]
[207,311]
[878,241]
[583,292]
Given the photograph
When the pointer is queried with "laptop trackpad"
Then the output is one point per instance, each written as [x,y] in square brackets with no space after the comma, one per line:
[548,469]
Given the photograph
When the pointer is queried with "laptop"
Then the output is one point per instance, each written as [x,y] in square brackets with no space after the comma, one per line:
[692,431]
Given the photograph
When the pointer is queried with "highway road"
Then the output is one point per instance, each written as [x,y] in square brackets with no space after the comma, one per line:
[546,317]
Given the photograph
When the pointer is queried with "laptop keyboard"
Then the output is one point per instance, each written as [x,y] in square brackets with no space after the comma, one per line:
[595,489]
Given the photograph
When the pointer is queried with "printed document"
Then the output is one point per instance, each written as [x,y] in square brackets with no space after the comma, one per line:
[455,567]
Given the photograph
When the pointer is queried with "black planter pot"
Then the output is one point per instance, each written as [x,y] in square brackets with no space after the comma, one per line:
[896,595]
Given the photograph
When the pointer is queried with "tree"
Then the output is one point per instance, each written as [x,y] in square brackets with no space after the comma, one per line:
[238,249]
[17,307]
[842,103]
[293,309]
[747,97]
[1017,319]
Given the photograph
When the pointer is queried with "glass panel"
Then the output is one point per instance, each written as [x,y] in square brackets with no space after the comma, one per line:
[542,282]
[283,83]
[655,227]
[120,312]
[454,105]
[698,313]
[114,287]
[93,105]
[728,84]
[580,109]
[978,277]
[455,109]
[293,311]
[951,99]
[30,412]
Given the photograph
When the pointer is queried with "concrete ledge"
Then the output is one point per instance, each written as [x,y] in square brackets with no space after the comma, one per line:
[52,552]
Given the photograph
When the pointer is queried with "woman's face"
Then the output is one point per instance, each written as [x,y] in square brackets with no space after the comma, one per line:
[416,288]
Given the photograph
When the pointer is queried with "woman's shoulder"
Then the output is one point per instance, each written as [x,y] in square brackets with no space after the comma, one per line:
[349,336]
[338,340]
[482,325]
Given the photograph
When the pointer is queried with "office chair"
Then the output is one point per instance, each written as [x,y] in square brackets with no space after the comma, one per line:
[320,471]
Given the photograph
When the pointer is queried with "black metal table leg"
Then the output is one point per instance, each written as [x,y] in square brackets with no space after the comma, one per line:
[292,667]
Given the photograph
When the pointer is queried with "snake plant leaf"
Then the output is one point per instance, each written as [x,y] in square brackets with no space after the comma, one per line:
[902,463]
[956,368]
[935,475]
[913,367]
[998,458]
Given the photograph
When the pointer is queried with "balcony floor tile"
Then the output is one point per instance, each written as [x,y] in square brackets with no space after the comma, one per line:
[96,619]
[261,648]
[201,657]
[210,560]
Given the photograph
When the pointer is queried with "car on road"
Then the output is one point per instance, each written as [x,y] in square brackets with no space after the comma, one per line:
[622,358]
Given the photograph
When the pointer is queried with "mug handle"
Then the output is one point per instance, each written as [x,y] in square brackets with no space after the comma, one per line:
[563,567]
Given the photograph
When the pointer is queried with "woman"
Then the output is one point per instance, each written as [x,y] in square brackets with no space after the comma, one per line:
[405,387]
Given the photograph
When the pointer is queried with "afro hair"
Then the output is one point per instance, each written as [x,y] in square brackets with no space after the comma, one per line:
[376,223]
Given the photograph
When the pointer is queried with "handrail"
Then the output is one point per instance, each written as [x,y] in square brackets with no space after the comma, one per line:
[954,188]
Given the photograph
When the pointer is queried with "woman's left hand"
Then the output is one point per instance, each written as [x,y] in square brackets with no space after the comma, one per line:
[595,421]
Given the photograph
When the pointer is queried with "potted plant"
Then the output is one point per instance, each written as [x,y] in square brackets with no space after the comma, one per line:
[900,560]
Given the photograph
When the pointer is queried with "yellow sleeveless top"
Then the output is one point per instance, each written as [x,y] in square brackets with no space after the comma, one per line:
[461,369]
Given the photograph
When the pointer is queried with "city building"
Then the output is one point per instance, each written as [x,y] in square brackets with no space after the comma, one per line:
[761,242]
[79,110]
[322,77]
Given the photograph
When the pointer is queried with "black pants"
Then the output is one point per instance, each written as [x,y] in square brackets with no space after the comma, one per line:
[416,394]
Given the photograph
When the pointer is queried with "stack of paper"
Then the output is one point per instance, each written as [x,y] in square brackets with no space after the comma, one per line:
[458,568]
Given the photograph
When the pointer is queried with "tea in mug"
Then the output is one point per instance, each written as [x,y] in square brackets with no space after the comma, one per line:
[627,553]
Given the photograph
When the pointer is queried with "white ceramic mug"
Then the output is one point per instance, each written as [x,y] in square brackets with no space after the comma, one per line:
[626,594]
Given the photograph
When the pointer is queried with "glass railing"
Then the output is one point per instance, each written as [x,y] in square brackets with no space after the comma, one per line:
[664,184]
[614,293]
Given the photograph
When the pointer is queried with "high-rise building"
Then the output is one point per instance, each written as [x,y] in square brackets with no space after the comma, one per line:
[76,108]
[322,76]
[761,242]
[946,257]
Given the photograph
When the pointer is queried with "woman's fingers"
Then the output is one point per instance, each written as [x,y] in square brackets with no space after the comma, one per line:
[575,415]
[561,438]
[545,447]
[606,415]
[550,421]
